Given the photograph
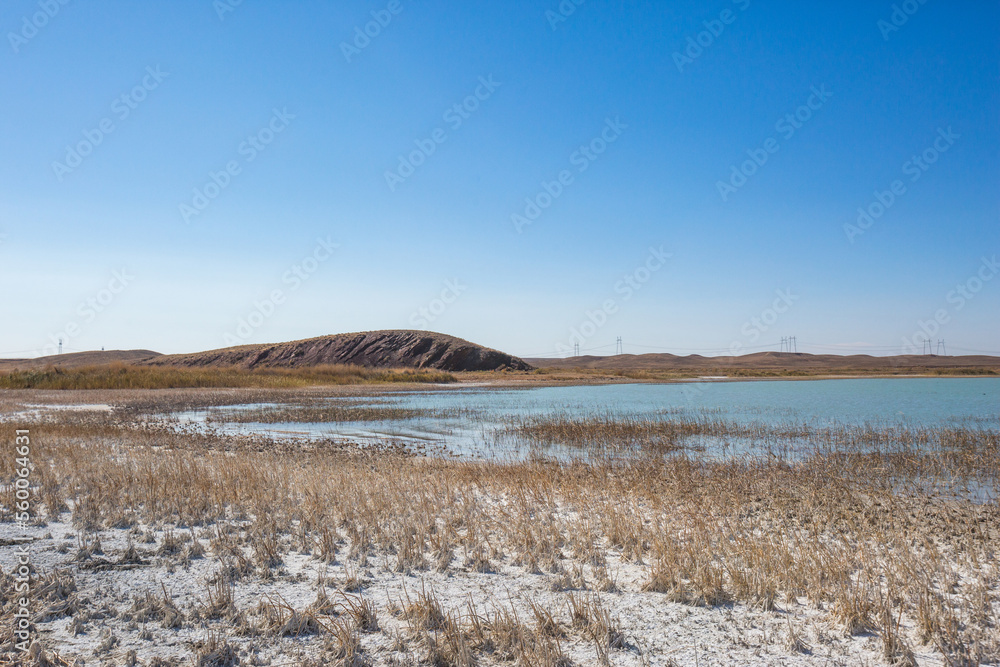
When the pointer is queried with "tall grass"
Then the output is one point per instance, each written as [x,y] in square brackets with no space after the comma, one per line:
[601,432]
[317,414]
[848,532]
[124,376]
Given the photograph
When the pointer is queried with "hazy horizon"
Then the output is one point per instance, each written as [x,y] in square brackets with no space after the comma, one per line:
[698,178]
[782,347]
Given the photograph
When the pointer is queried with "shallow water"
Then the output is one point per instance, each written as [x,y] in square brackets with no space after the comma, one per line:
[918,401]
[462,419]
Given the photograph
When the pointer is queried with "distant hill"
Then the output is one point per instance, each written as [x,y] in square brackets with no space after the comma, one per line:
[429,350]
[771,361]
[78,359]
[374,349]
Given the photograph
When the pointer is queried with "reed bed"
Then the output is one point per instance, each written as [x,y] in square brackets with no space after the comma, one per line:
[951,453]
[318,414]
[604,432]
[144,403]
[125,376]
[849,530]
[609,429]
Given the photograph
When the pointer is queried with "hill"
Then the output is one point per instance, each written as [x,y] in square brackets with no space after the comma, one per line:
[79,359]
[790,362]
[435,351]
[373,349]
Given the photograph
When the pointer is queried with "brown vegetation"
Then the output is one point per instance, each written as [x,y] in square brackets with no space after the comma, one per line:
[770,364]
[876,530]
[122,376]
[371,349]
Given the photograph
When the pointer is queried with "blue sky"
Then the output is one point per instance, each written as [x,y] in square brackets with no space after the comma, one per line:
[273,173]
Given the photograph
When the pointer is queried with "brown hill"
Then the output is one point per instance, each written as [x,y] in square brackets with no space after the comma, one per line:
[78,359]
[773,361]
[383,349]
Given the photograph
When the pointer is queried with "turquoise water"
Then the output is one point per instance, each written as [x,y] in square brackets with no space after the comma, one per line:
[917,401]
[465,416]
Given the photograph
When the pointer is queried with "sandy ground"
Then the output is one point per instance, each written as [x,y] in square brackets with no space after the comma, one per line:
[656,630]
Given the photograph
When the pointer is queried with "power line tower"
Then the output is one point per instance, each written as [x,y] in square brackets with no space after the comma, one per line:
[926,347]
[60,346]
[941,348]
[576,349]
[618,346]
[794,345]
[784,342]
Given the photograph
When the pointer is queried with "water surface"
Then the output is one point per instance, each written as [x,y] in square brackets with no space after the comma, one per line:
[461,419]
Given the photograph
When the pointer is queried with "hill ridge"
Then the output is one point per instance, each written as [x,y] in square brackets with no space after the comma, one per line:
[400,348]
[767,360]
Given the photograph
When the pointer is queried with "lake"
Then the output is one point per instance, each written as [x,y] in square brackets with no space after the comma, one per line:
[461,418]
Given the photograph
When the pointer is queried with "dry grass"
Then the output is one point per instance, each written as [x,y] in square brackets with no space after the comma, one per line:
[318,414]
[460,637]
[124,376]
[860,530]
[215,652]
[604,432]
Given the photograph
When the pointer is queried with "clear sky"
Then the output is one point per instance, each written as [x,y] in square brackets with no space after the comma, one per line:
[687,176]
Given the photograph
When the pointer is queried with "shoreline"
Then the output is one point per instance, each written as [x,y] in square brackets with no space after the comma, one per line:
[545,380]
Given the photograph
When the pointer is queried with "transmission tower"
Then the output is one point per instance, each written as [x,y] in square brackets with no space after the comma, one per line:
[784,342]
[794,345]
[618,346]
[60,346]
[576,349]
[941,349]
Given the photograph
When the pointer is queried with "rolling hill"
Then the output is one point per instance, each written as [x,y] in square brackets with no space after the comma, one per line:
[79,359]
[435,351]
[772,361]
[373,349]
